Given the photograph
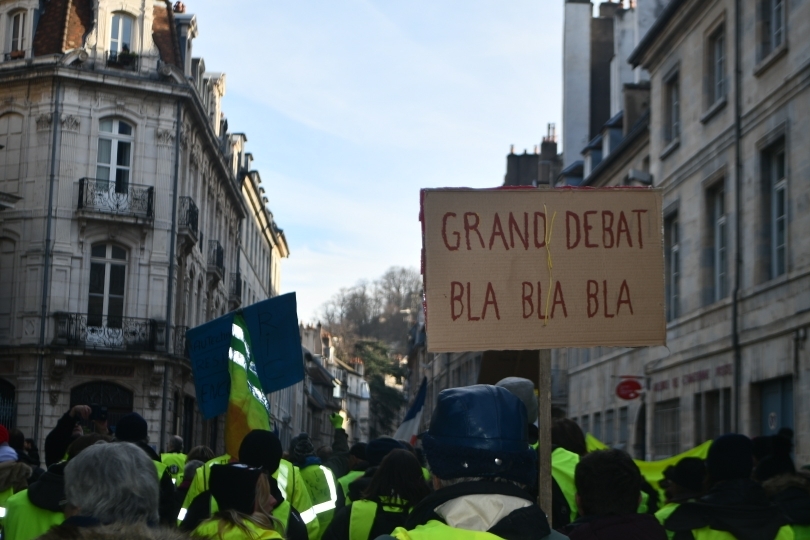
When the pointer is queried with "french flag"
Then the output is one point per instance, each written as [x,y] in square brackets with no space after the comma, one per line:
[409,428]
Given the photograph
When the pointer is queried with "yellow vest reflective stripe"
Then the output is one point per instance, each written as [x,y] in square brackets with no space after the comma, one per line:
[563,466]
[26,521]
[322,489]
[439,531]
[210,529]
[293,489]
[347,479]
[175,463]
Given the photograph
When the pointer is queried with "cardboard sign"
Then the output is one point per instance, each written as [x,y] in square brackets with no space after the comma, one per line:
[527,269]
[273,328]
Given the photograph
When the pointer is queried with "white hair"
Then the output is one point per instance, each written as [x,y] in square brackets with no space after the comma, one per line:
[114,483]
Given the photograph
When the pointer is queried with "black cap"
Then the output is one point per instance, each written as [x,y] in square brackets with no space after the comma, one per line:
[687,473]
[131,428]
[234,487]
[261,448]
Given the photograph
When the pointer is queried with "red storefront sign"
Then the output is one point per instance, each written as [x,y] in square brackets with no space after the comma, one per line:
[628,389]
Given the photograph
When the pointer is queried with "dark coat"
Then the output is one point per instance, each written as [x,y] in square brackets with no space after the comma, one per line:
[89,529]
[528,523]
[739,507]
[168,507]
[626,527]
[384,523]
[791,493]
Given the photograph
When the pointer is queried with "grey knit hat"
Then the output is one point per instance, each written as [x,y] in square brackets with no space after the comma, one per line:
[524,390]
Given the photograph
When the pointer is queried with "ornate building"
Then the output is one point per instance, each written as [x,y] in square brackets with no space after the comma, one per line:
[133,211]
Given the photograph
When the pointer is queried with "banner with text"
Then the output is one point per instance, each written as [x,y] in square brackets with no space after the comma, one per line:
[538,269]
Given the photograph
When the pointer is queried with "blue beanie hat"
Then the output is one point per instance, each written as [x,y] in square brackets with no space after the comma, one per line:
[731,457]
[131,428]
[480,430]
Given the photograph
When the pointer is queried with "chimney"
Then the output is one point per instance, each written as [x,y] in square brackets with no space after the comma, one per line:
[608,10]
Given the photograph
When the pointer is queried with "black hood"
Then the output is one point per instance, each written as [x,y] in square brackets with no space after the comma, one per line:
[527,523]
[48,492]
[739,507]
[148,449]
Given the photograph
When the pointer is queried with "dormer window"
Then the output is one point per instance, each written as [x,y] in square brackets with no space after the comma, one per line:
[17,34]
[121,33]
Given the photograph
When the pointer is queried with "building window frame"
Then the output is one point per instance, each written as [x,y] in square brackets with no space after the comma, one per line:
[17,32]
[773,27]
[122,33]
[114,157]
[106,291]
[775,206]
[667,428]
[718,240]
[673,265]
[672,108]
[716,66]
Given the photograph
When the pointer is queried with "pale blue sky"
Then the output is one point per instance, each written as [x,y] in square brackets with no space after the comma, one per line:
[350,107]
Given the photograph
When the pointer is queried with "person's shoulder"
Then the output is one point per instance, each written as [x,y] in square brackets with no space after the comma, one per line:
[116,531]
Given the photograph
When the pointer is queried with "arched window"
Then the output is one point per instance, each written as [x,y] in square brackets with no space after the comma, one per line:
[17,34]
[105,301]
[114,161]
[121,33]
[117,399]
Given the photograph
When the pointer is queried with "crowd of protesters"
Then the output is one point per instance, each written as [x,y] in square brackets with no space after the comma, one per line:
[474,476]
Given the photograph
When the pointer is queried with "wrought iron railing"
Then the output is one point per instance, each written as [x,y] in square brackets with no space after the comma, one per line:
[14,55]
[179,341]
[122,60]
[188,215]
[112,197]
[235,285]
[110,332]
[216,257]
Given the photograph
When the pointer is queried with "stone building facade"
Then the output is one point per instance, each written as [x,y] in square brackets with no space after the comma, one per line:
[727,146]
[134,205]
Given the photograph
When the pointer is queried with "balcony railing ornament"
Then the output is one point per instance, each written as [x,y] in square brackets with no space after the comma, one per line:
[116,197]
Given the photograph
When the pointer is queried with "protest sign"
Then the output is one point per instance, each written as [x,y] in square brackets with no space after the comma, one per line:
[273,327]
[530,269]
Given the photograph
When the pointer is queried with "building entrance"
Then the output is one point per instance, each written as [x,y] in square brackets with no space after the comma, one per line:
[777,405]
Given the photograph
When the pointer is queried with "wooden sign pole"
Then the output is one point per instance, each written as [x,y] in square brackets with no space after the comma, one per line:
[544,430]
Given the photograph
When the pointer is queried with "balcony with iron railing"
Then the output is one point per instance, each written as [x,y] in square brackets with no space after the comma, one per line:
[19,54]
[216,259]
[119,198]
[109,332]
[235,288]
[122,60]
[187,222]
[178,342]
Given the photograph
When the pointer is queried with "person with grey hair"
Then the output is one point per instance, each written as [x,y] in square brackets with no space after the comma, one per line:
[111,490]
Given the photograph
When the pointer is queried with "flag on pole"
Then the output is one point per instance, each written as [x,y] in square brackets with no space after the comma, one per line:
[248,408]
[409,428]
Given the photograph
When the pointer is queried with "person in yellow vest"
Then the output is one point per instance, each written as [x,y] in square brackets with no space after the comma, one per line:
[321,483]
[734,507]
[175,459]
[33,511]
[608,484]
[111,491]
[478,453]
[784,487]
[376,451]
[245,501]
[260,449]
[13,474]
[357,465]
[132,428]
[683,482]
[397,487]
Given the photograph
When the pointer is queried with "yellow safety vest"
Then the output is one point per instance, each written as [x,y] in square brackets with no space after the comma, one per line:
[664,513]
[290,483]
[437,530]
[563,466]
[175,463]
[347,479]
[707,533]
[25,520]
[322,488]
[362,516]
[210,529]
[801,532]
[4,495]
